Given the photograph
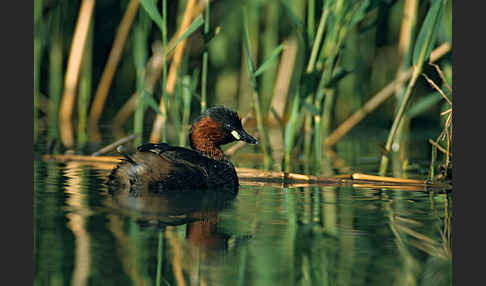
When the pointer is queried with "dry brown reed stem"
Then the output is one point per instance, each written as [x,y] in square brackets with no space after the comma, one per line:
[434,85]
[153,70]
[188,16]
[441,74]
[338,162]
[233,149]
[369,106]
[445,134]
[82,158]
[284,77]
[379,98]
[72,72]
[113,145]
[408,20]
[440,148]
[110,68]
[181,47]
[123,114]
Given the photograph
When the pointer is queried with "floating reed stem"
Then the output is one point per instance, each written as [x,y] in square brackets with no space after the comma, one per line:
[360,176]
[72,71]
[273,177]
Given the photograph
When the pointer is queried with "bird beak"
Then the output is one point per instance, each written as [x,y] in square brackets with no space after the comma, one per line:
[241,135]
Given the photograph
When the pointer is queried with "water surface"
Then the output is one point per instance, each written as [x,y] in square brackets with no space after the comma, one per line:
[265,235]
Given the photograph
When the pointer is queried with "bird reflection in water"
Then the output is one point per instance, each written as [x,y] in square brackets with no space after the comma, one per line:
[198,210]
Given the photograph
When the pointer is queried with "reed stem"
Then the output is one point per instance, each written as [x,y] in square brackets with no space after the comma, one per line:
[85,87]
[290,131]
[310,68]
[317,41]
[164,71]
[270,42]
[72,72]
[379,98]
[401,111]
[110,68]
[330,52]
[432,163]
[186,99]
[140,56]
[204,73]
[311,6]
[37,61]
[180,44]
[55,74]
[263,140]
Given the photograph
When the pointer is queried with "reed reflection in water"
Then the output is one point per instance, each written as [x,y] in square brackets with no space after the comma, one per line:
[335,235]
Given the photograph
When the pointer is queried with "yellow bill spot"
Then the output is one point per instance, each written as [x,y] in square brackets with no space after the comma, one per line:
[235,134]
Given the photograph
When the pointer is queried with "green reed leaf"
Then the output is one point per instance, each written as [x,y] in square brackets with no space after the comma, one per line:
[150,7]
[428,32]
[266,64]
[150,101]
[250,65]
[311,108]
[198,22]
[423,104]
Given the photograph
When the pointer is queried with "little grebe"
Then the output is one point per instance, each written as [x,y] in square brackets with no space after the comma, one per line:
[161,167]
